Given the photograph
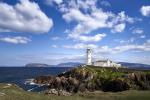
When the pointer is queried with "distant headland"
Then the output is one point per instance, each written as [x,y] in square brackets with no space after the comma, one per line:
[36,65]
[67,64]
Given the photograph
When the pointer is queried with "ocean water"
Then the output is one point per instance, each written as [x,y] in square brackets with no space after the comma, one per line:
[20,75]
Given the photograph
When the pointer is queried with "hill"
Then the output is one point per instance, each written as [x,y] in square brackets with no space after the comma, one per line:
[135,65]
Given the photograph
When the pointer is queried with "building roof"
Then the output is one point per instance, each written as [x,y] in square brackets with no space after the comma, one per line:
[103,60]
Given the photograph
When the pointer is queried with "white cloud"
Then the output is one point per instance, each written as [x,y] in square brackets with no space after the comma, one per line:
[50,2]
[15,40]
[80,46]
[118,28]
[119,49]
[84,38]
[114,50]
[145,10]
[85,4]
[138,31]
[142,36]
[96,20]
[105,3]
[131,40]
[88,18]
[54,46]
[50,59]
[25,16]
[140,59]
[86,23]
[55,38]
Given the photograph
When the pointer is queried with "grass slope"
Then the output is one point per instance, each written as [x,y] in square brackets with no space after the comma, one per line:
[13,92]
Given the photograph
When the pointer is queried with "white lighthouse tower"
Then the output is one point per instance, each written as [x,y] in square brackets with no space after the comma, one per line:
[89,56]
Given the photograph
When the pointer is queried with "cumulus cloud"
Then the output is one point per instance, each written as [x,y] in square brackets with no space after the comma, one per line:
[25,16]
[86,22]
[145,10]
[15,40]
[118,28]
[96,20]
[50,2]
[88,18]
[84,38]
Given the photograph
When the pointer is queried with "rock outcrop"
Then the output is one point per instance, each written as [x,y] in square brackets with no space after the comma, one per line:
[89,78]
[57,92]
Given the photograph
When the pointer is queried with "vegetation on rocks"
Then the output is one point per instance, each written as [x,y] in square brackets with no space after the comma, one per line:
[91,78]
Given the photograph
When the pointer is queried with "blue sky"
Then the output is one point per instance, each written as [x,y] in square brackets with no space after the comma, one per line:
[55,31]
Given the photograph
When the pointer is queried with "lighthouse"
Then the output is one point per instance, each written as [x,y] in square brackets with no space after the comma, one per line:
[89,56]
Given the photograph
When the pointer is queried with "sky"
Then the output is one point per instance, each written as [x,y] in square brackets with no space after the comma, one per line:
[56,31]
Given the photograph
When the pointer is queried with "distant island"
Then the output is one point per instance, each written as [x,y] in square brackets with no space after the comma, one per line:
[135,65]
[67,64]
[74,64]
[36,65]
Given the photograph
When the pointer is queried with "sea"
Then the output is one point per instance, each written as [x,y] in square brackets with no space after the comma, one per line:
[23,76]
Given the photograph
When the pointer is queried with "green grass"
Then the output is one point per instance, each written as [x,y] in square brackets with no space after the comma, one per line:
[126,95]
[99,72]
[15,93]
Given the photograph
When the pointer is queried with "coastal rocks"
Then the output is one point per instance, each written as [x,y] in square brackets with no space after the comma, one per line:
[91,86]
[51,91]
[29,81]
[91,79]
[115,86]
[148,77]
[60,83]
[44,79]
[82,87]
[81,74]
[69,84]
[140,80]
[72,85]
[58,92]
[2,94]
[56,83]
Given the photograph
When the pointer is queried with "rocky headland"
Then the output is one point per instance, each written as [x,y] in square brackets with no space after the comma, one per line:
[91,78]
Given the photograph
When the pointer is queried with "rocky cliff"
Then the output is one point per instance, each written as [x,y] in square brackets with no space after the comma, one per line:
[90,78]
